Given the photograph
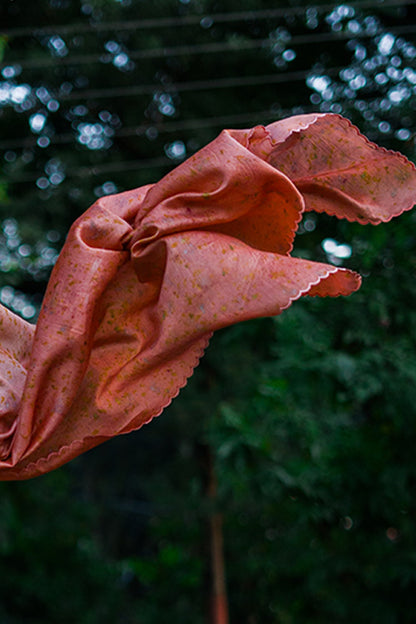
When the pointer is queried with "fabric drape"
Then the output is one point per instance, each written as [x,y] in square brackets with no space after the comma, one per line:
[146,276]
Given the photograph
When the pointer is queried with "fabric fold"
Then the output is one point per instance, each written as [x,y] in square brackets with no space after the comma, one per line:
[146,276]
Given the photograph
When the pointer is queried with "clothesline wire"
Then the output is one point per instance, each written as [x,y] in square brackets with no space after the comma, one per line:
[186,20]
[140,130]
[193,85]
[231,82]
[210,122]
[205,48]
[95,170]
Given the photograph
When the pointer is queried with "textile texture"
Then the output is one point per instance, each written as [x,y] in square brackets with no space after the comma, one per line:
[146,276]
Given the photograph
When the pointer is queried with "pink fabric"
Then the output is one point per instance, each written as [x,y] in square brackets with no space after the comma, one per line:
[146,276]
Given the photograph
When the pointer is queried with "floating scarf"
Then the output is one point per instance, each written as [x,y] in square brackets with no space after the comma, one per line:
[146,276]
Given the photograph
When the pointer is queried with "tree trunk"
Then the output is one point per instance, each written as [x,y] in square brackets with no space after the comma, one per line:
[219,602]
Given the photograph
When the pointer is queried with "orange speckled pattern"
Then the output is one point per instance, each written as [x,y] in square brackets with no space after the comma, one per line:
[146,276]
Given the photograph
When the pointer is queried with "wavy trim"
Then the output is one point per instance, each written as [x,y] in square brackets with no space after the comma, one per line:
[36,466]
[350,126]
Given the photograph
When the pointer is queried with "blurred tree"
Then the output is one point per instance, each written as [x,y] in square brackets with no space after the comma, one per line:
[310,416]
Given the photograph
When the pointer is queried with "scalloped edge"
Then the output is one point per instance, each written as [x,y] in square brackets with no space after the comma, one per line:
[348,124]
[38,465]
[329,271]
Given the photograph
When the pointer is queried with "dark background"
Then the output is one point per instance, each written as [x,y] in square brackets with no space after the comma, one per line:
[309,418]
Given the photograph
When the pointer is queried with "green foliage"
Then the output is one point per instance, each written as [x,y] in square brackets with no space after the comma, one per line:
[319,460]
[3,47]
[53,569]
[3,192]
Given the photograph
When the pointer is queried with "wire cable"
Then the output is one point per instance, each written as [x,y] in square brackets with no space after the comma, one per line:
[189,20]
[206,48]
[230,82]
[258,117]
[164,128]
[213,84]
